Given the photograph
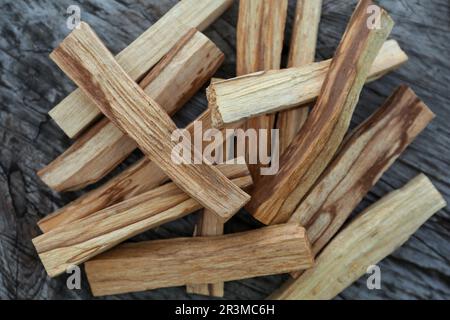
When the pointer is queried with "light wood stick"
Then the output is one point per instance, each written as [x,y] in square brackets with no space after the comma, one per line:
[76,112]
[304,33]
[86,60]
[375,234]
[260,35]
[302,52]
[143,176]
[173,81]
[278,90]
[85,238]
[276,197]
[368,152]
[208,226]
[175,262]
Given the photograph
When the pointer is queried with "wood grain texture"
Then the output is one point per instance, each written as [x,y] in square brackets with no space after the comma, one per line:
[375,234]
[85,238]
[32,84]
[87,61]
[169,263]
[260,34]
[367,153]
[272,91]
[208,226]
[302,52]
[143,176]
[171,83]
[276,198]
[76,112]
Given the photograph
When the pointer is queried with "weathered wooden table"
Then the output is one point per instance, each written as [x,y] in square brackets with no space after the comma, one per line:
[30,85]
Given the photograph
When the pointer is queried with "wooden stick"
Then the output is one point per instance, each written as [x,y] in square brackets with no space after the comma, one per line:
[305,31]
[76,112]
[260,35]
[278,90]
[85,238]
[87,61]
[175,262]
[302,52]
[173,81]
[368,152]
[276,197]
[375,234]
[143,176]
[208,226]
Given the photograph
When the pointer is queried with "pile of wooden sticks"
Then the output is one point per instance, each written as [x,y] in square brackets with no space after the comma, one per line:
[125,102]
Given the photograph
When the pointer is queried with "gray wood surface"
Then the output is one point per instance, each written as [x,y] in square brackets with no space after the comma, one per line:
[30,85]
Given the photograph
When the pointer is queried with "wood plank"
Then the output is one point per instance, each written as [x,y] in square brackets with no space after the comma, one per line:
[143,176]
[278,90]
[82,239]
[375,234]
[87,61]
[320,137]
[171,83]
[76,112]
[302,52]
[259,44]
[367,153]
[175,262]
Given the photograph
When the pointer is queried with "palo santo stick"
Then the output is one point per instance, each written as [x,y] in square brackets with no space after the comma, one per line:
[302,52]
[260,35]
[276,198]
[208,226]
[367,153]
[141,177]
[375,234]
[76,112]
[278,90]
[82,239]
[175,262]
[304,33]
[174,80]
[86,60]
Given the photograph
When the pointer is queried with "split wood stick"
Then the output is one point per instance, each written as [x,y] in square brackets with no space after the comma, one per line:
[171,83]
[374,235]
[208,226]
[176,262]
[302,52]
[76,112]
[260,35]
[278,90]
[367,153]
[86,60]
[82,239]
[276,198]
[139,178]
